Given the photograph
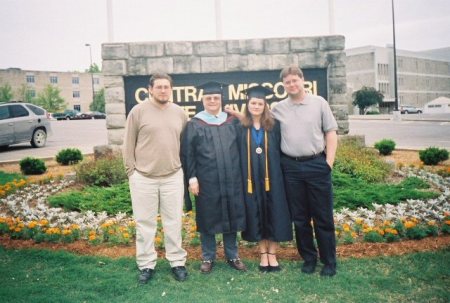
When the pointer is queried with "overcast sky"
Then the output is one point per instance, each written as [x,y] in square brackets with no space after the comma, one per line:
[51,34]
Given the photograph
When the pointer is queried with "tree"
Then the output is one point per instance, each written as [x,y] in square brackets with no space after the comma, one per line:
[23,93]
[93,69]
[98,104]
[6,93]
[366,97]
[50,99]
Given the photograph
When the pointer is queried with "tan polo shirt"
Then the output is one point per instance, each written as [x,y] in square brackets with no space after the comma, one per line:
[303,125]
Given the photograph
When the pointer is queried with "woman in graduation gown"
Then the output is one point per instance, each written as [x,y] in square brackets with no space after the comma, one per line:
[267,211]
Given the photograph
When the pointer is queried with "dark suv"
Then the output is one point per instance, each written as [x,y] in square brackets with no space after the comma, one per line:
[22,122]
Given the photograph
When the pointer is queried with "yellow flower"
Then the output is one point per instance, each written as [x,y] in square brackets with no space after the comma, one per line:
[126,235]
[75,226]
[43,222]
[92,237]
[409,224]
[447,222]
[66,232]
[359,221]
[367,230]
[387,223]
[432,223]
[32,224]
[17,229]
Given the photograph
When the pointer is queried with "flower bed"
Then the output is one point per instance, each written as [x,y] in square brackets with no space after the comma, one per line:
[25,214]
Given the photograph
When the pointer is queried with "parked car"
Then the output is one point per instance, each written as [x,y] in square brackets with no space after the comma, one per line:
[68,114]
[91,115]
[22,122]
[409,109]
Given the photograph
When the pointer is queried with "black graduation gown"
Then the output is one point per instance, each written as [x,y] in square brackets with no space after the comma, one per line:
[267,213]
[211,153]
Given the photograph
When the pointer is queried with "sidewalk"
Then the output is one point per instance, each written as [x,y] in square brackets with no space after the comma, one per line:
[410,117]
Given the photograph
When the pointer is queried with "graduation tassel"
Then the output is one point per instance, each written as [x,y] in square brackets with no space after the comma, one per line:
[249,186]
[249,171]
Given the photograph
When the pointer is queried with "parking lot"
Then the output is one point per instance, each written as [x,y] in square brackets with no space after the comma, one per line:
[414,133]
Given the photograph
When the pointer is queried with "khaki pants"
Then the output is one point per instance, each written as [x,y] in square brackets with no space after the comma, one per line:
[147,196]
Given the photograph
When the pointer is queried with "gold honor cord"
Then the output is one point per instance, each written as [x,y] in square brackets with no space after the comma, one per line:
[249,170]
[266,143]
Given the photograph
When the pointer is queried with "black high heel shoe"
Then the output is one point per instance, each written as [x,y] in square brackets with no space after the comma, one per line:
[274,268]
[263,268]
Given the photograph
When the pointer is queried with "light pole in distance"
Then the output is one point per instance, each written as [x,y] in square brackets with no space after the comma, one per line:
[90,67]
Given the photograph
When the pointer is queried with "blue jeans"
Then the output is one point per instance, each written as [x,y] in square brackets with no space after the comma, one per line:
[209,246]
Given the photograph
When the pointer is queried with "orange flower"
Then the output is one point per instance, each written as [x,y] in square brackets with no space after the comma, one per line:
[32,224]
[409,224]
[92,237]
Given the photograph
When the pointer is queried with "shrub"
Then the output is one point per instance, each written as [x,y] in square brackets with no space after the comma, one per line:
[385,146]
[32,166]
[373,112]
[69,156]
[433,155]
[102,172]
[359,161]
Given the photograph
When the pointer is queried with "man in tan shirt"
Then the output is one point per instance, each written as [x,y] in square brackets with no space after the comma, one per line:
[151,154]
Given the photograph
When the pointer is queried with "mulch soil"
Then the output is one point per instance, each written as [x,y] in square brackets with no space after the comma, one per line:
[356,250]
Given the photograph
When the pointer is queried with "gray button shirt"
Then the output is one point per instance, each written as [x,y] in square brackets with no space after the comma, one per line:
[303,125]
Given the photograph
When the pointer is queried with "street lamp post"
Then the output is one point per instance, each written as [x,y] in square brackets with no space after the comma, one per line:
[396,114]
[90,67]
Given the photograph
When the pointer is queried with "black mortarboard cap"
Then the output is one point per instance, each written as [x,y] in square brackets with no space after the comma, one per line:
[212,87]
[258,91]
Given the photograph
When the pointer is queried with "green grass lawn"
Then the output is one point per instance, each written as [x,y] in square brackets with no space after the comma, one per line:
[56,276]
[8,177]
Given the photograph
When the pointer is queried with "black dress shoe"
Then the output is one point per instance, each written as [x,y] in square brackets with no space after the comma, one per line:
[145,275]
[274,268]
[309,267]
[328,270]
[264,268]
[180,273]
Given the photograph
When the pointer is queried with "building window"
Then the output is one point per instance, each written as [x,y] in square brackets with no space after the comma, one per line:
[77,107]
[96,81]
[75,80]
[53,79]
[76,94]
[401,81]
[400,62]
[32,93]
[30,78]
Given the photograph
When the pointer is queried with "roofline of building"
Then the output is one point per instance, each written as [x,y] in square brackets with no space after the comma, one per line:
[400,52]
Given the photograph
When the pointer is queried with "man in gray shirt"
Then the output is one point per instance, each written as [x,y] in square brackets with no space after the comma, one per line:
[308,145]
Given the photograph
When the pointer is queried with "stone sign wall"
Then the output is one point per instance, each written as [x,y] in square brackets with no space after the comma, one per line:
[134,59]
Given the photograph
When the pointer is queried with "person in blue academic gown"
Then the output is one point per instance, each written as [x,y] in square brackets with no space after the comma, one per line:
[210,158]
